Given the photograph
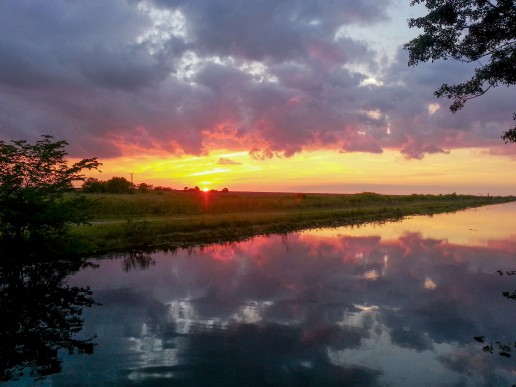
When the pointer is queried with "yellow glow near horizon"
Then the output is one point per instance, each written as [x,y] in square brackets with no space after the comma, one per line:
[210,172]
[463,171]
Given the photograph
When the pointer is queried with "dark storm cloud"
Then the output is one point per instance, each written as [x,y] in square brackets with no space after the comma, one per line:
[166,75]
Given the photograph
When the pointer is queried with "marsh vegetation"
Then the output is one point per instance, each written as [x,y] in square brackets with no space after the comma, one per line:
[178,219]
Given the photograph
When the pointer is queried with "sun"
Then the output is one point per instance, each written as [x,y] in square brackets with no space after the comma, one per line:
[205,189]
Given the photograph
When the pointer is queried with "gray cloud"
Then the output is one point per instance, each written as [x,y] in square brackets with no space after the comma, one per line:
[416,130]
[280,75]
[272,30]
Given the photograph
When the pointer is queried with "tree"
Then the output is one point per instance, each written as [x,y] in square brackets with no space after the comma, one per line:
[119,185]
[33,179]
[144,187]
[480,31]
[92,185]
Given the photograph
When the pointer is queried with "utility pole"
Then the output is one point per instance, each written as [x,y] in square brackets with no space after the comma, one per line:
[131,173]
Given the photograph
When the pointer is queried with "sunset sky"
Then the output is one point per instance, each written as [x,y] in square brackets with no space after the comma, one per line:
[262,95]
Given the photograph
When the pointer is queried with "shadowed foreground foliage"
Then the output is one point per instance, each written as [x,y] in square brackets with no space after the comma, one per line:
[40,315]
[33,181]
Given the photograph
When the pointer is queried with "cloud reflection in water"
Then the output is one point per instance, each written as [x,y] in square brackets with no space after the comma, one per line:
[331,308]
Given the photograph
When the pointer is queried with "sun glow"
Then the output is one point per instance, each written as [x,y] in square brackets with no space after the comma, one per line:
[463,171]
[212,171]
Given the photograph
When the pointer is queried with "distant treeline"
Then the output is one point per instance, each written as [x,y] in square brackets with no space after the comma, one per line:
[120,185]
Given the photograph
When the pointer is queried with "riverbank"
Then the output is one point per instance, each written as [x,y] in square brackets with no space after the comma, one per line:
[181,219]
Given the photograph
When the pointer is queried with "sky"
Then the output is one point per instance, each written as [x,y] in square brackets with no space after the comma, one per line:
[259,95]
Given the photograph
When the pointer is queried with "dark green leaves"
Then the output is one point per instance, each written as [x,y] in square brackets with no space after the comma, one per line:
[33,180]
[479,31]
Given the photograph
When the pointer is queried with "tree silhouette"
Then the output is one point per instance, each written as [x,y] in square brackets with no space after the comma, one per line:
[33,180]
[119,185]
[470,31]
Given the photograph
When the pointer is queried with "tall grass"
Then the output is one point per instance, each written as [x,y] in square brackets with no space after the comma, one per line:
[172,219]
[154,204]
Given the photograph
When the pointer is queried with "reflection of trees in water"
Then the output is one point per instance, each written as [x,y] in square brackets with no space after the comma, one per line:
[40,315]
[142,259]
[509,295]
[137,260]
[503,348]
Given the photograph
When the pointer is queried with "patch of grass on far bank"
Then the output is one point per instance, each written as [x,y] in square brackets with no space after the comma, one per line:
[177,219]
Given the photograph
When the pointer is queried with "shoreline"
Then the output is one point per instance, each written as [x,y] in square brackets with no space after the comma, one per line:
[150,232]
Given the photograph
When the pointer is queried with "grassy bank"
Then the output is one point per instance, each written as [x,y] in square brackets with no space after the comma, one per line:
[173,219]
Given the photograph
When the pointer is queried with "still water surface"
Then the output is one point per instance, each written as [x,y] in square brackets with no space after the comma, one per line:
[397,304]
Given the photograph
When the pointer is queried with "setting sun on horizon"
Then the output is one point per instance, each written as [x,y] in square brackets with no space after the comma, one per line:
[469,171]
[293,97]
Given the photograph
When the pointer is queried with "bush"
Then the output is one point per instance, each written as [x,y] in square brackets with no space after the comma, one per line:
[33,179]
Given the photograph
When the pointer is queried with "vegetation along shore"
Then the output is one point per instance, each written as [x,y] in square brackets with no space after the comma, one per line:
[41,211]
[143,221]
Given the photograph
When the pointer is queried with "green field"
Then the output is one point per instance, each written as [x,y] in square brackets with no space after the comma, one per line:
[165,220]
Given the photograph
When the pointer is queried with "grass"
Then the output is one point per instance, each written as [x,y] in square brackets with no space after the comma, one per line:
[180,219]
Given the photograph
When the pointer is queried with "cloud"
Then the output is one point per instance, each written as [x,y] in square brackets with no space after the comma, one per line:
[271,30]
[418,128]
[276,76]
[226,161]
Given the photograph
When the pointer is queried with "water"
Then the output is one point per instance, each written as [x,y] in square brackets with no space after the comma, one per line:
[392,305]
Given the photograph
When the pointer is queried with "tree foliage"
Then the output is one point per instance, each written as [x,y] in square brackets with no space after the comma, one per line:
[144,187]
[92,185]
[115,185]
[479,31]
[33,179]
[119,185]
